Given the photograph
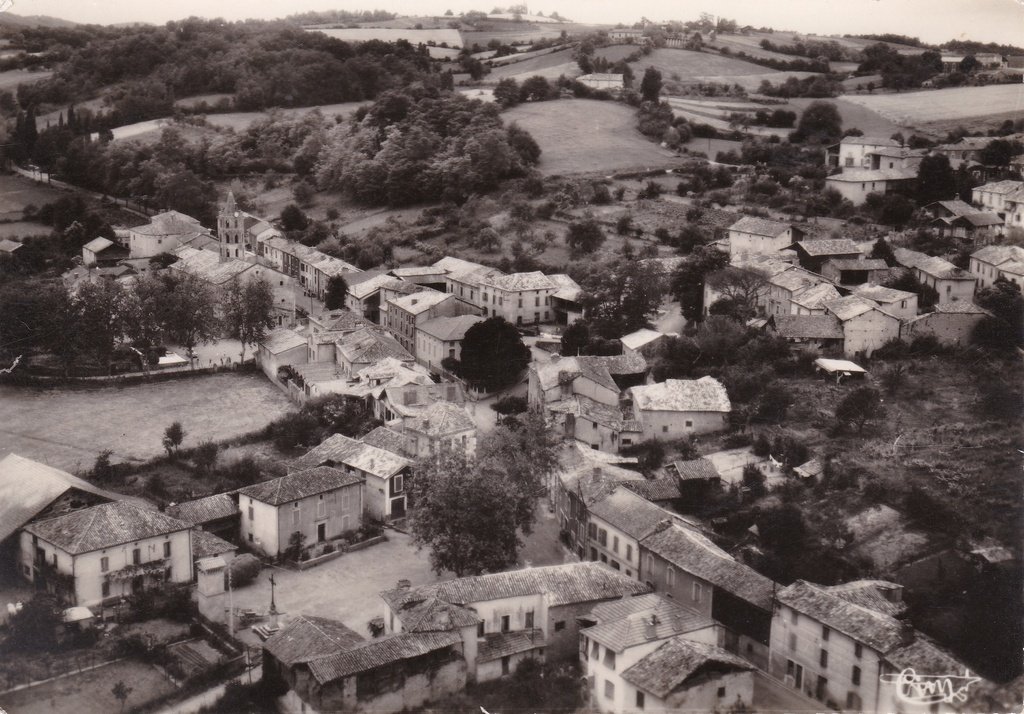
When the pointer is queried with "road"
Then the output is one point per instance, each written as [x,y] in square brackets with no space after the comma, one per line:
[770,697]
[40,177]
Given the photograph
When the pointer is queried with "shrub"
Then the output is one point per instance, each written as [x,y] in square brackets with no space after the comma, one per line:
[243,570]
[761,446]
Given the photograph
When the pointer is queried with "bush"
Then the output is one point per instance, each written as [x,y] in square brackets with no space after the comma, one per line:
[294,430]
[761,446]
[243,570]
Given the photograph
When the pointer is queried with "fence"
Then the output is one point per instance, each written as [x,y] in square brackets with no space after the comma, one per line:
[23,672]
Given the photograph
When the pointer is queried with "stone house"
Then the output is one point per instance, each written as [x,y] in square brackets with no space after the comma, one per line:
[676,407]
[950,282]
[437,426]
[320,502]
[575,488]
[281,347]
[856,185]
[760,235]
[813,254]
[901,303]
[619,520]
[441,338]
[217,514]
[562,377]
[787,285]
[951,323]
[849,272]
[996,261]
[405,314]
[992,196]
[643,341]
[823,332]
[857,151]
[866,327]
[363,348]
[520,298]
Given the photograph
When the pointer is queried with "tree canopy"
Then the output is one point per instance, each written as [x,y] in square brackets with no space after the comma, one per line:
[820,123]
[493,354]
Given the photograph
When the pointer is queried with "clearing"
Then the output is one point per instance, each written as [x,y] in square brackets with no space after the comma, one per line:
[11,79]
[68,427]
[17,192]
[549,66]
[689,66]
[854,114]
[89,692]
[584,135]
[453,38]
[931,108]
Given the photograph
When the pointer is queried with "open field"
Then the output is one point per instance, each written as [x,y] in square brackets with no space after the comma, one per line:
[581,135]
[914,109]
[69,427]
[210,99]
[453,38]
[549,66]
[23,229]
[89,692]
[690,66]
[854,115]
[17,192]
[11,79]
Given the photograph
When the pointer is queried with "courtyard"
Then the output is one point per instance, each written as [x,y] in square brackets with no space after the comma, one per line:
[68,427]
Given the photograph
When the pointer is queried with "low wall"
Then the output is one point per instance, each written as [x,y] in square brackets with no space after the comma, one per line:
[313,562]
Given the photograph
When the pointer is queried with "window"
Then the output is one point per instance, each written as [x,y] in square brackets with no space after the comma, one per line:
[167,549]
[639,700]
[398,483]
[609,658]
[592,530]
[505,664]
[609,690]
[560,625]
[615,565]
[251,538]
[721,692]
[136,556]
[824,633]
[604,558]
[505,623]
[615,544]
[536,302]
[529,620]
[250,512]
[629,552]
[792,641]
[823,659]
[595,651]
[650,563]
[321,507]
[295,518]
[105,590]
[858,649]
[602,537]
[480,628]
[689,423]
[795,618]
[670,576]
[664,430]
[345,499]
[855,676]
[853,701]
[104,564]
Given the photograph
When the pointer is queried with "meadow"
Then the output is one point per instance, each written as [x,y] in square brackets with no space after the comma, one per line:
[941,106]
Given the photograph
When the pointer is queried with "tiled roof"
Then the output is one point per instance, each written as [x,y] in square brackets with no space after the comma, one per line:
[808,327]
[417,271]
[371,345]
[339,449]
[561,584]
[809,469]
[925,656]
[999,187]
[815,296]
[640,619]
[27,487]
[568,289]
[299,484]
[502,644]
[208,266]
[869,141]
[871,594]
[961,307]
[658,489]
[565,369]
[692,552]
[957,208]
[442,419]
[380,652]
[882,294]
[759,226]
[515,282]
[1014,267]
[384,438]
[643,336]
[204,510]
[450,264]
[850,307]
[420,301]
[879,631]
[9,246]
[706,394]
[857,264]
[104,526]
[796,279]
[207,545]
[591,481]
[999,254]
[434,615]
[829,246]
[307,637]
[584,407]
[632,514]
[667,668]
[864,175]
[449,329]
[629,363]
[980,219]
[693,470]
[931,265]
[342,321]
[98,244]
[360,289]
[281,340]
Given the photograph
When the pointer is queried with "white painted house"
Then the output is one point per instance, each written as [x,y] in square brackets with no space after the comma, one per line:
[751,235]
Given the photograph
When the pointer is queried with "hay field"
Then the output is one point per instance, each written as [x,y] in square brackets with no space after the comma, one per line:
[583,136]
[944,105]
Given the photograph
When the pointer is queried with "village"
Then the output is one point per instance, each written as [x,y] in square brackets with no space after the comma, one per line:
[694,442]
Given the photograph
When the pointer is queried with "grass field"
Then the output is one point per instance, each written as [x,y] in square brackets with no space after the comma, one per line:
[549,66]
[914,109]
[68,428]
[854,115]
[689,66]
[17,192]
[11,79]
[89,692]
[452,38]
[582,136]
[23,229]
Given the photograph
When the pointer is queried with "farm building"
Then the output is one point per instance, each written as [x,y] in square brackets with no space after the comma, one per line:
[760,235]
[680,407]
[951,323]
[866,327]
[855,271]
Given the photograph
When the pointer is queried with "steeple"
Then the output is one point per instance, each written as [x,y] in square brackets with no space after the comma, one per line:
[229,205]
[229,230]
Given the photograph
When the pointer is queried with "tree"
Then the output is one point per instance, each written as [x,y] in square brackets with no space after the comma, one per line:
[174,435]
[296,543]
[506,92]
[935,180]
[248,311]
[34,627]
[858,407]
[650,85]
[535,89]
[620,298]
[688,281]
[881,250]
[745,287]
[968,64]
[584,236]
[1004,300]
[466,513]
[102,312]
[337,291]
[575,338]
[121,691]
[293,219]
[190,315]
[997,152]
[820,123]
[493,354]
[754,480]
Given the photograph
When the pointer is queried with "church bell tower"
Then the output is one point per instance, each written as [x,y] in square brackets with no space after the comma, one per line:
[229,230]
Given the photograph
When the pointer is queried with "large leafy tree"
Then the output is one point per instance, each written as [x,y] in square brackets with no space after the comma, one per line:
[248,311]
[859,407]
[744,287]
[820,123]
[935,180]
[1004,300]
[103,310]
[190,311]
[493,354]
[620,298]
[465,513]
[337,289]
[688,281]
[650,85]
[584,236]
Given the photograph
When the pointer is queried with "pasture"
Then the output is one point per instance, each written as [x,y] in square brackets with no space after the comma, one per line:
[931,108]
[11,79]
[550,66]
[17,192]
[583,136]
[689,66]
[453,38]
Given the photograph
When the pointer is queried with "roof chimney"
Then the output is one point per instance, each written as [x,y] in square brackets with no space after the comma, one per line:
[598,473]
[404,584]
[555,357]
[907,634]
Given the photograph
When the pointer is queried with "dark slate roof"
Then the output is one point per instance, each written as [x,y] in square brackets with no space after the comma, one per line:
[668,667]
[562,584]
[659,489]
[301,484]
[207,545]
[502,644]
[434,615]
[879,631]
[815,327]
[692,552]
[655,618]
[381,652]
[693,470]
[630,513]
[307,637]
[204,510]
[104,526]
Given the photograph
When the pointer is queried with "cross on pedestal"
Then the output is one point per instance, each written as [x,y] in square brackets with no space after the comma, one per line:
[273,605]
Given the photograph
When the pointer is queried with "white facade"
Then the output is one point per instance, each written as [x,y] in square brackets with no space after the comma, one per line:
[320,517]
[668,425]
[742,242]
[865,333]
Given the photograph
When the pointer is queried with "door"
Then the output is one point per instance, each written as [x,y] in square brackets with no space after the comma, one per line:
[398,507]
[819,691]
[321,532]
[799,678]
